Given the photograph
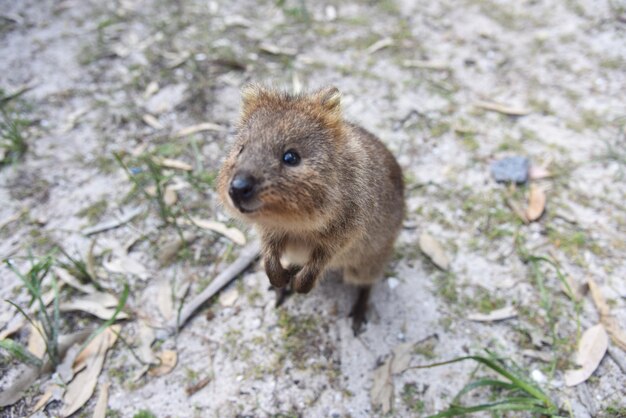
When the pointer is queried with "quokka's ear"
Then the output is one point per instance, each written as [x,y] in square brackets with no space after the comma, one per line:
[329,98]
[251,95]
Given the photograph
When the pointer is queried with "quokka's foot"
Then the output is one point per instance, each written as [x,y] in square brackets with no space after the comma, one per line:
[359,310]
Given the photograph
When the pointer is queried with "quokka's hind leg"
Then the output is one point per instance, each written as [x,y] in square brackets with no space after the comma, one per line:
[359,309]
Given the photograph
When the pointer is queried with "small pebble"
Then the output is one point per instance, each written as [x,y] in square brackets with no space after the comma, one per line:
[393,283]
[511,169]
[537,376]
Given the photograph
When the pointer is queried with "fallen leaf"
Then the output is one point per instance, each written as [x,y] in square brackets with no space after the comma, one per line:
[538,173]
[276,50]
[233,234]
[100,410]
[72,119]
[170,249]
[536,203]
[501,108]
[401,357]
[170,197]
[152,121]
[229,297]
[36,343]
[126,265]
[378,45]
[201,127]
[433,249]
[125,217]
[521,213]
[539,355]
[381,394]
[15,216]
[196,387]
[507,312]
[591,349]
[88,366]
[42,401]
[168,359]
[610,322]
[99,304]
[174,164]
[427,65]
[151,89]
[167,99]
[70,280]
[18,379]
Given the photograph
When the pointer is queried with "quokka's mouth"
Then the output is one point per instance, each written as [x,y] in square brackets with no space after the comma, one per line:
[248,208]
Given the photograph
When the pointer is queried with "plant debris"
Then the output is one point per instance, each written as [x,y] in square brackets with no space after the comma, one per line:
[591,351]
[434,250]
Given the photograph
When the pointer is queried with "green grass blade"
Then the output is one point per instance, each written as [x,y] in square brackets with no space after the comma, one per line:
[19,352]
[514,379]
[484,382]
[457,410]
[120,305]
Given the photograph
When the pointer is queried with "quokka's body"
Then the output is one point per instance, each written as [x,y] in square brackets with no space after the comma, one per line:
[323,192]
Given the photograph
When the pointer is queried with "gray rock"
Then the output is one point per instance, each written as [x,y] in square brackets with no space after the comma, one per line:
[511,169]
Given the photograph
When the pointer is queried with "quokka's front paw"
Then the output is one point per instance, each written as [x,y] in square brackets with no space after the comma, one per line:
[279,277]
[304,281]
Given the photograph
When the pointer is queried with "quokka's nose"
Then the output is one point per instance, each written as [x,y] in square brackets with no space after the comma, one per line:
[242,187]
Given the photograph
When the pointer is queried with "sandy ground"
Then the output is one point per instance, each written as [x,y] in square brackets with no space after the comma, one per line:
[411,72]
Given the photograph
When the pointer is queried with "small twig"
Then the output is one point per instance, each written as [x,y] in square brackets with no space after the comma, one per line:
[111,224]
[248,254]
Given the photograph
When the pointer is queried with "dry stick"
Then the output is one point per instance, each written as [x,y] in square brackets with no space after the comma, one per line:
[248,254]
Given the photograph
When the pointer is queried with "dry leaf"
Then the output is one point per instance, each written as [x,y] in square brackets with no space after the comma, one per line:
[401,357]
[152,122]
[507,312]
[67,278]
[36,343]
[126,265]
[13,217]
[99,304]
[610,323]
[381,394]
[427,65]
[380,44]
[174,164]
[90,362]
[201,127]
[591,349]
[196,387]
[517,210]
[229,297]
[536,203]
[170,249]
[539,355]
[538,173]
[233,234]
[100,410]
[276,50]
[72,119]
[433,249]
[500,108]
[19,379]
[168,360]
[170,197]
[42,401]
[152,88]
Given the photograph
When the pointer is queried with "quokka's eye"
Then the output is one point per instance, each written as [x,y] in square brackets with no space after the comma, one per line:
[291,158]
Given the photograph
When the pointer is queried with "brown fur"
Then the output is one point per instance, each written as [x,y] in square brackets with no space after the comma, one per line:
[340,208]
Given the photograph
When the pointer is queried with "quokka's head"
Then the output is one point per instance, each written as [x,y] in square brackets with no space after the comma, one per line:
[282,169]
